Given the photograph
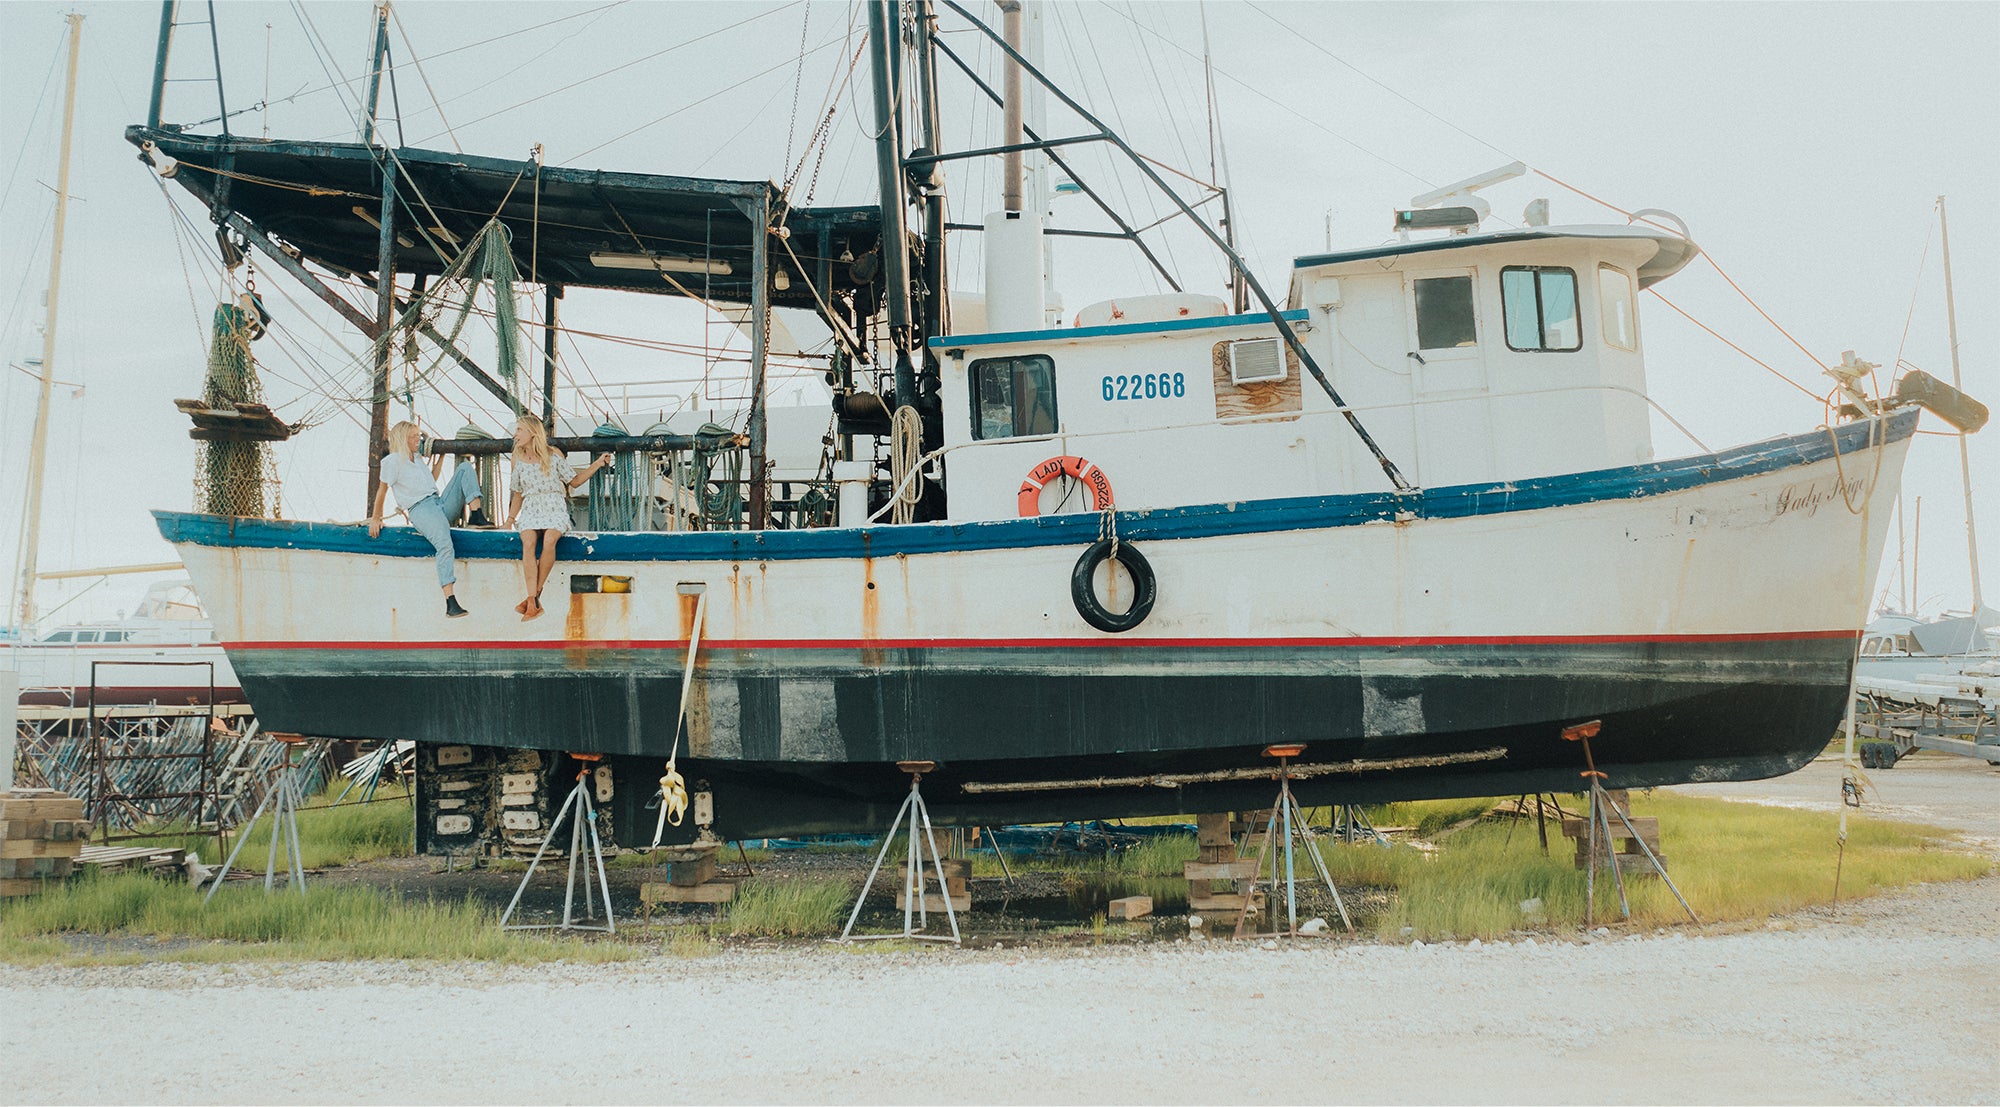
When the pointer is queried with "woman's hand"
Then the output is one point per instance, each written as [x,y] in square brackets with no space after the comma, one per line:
[374,526]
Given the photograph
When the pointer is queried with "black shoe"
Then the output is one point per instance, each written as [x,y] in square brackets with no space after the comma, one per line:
[478,518]
[451,608]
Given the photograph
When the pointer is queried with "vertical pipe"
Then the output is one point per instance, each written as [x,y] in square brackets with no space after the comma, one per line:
[215,44]
[895,274]
[553,294]
[1964,455]
[385,339]
[1011,134]
[160,64]
[934,212]
[377,53]
[760,316]
[38,445]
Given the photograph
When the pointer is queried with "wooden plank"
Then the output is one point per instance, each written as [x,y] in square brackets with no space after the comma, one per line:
[51,808]
[1212,830]
[39,847]
[25,887]
[1130,907]
[24,868]
[1235,869]
[1258,397]
[717,892]
[934,903]
[1220,901]
[1647,826]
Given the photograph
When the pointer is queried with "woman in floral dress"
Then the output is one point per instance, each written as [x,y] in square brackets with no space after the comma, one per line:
[539,508]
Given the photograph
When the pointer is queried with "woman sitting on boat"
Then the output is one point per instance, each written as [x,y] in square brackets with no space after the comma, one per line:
[430,511]
[539,508]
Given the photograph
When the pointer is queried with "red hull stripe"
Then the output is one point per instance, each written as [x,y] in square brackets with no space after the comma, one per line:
[1059,643]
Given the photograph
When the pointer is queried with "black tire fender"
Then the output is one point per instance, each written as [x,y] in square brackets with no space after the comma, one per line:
[1084,594]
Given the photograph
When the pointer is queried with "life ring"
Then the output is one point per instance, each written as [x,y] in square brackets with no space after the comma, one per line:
[1029,500]
[1083,593]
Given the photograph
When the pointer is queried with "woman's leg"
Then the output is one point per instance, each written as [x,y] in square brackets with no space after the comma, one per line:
[548,565]
[461,491]
[528,538]
[429,519]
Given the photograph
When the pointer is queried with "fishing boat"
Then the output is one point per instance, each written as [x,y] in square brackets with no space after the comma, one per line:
[1406,512]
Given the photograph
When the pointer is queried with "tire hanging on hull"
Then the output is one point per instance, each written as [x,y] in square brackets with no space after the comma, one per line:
[1084,594]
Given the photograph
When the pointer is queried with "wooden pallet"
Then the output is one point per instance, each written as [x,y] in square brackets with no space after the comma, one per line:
[158,860]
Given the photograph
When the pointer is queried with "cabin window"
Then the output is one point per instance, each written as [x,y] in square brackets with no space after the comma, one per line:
[1614,298]
[86,636]
[1540,305]
[113,636]
[60,636]
[1013,397]
[1445,318]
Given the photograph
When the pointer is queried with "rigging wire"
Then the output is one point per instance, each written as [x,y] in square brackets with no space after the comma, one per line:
[419,63]
[33,116]
[636,61]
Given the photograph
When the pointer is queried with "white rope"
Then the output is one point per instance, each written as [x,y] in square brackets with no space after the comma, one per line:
[673,787]
[906,443]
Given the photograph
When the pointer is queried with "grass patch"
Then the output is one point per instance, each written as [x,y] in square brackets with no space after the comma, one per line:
[787,908]
[328,835]
[1733,861]
[244,923]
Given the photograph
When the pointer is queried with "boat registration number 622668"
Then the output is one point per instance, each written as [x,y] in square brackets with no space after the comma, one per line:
[1145,386]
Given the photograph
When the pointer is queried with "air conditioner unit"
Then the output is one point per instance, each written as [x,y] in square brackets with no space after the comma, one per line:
[1255,360]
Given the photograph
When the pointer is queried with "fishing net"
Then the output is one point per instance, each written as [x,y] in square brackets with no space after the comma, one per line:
[230,476]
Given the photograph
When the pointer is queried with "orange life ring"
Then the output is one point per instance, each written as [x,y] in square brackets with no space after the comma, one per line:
[1029,500]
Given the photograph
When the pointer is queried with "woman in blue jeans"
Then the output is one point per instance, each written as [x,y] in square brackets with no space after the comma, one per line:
[432,512]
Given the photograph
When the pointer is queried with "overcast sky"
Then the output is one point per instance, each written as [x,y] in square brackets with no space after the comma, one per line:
[1804,144]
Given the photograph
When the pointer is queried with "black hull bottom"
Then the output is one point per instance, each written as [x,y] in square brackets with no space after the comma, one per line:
[793,742]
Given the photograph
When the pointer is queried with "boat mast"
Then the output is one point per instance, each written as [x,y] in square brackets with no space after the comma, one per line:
[1964,456]
[385,264]
[38,445]
[884,40]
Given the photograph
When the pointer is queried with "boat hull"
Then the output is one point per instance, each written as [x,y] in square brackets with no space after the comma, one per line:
[1423,645]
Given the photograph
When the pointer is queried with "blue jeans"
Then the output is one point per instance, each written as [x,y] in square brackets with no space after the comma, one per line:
[433,514]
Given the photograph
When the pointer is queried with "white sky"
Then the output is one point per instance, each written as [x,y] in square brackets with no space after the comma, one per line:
[1804,144]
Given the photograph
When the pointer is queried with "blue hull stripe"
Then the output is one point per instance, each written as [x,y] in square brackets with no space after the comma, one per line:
[1162,524]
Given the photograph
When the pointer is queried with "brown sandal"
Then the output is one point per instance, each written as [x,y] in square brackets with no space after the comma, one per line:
[521,608]
[534,609]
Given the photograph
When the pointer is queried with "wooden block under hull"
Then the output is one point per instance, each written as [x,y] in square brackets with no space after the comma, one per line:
[934,903]
[1131,907]
[1233,869]
[718,892]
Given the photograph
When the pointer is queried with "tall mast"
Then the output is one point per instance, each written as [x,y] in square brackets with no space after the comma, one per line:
[31,535]
[884,36]
[1964,456]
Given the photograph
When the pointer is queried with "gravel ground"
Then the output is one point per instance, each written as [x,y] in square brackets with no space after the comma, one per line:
[1893,1000]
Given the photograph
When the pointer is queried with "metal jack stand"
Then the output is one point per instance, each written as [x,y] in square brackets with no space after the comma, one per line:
[1286,818]
[282,798]
[1544,803]
[583,843]
[1351,824]
[916,917]
[1601,809]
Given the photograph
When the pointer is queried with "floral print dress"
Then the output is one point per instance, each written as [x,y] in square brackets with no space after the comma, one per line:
[544,494]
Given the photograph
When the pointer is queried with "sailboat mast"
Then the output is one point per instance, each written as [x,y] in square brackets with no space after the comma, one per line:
[1964,454]
[38,445]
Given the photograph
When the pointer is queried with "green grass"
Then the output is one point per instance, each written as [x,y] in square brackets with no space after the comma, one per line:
[245,923]
[787,908]
[1732,861]
[328,835]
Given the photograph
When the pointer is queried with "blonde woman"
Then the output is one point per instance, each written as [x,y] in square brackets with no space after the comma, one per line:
[539,507]
[430,511]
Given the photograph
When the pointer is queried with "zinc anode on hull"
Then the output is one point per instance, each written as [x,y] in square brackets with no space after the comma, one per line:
[1702,607]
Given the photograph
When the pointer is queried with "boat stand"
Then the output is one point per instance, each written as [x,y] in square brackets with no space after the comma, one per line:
[1285,818]
[918,838]
[584,844]
[282,800]
[1544,802]
[1601,810]
[1351,824]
